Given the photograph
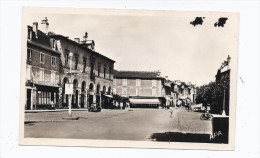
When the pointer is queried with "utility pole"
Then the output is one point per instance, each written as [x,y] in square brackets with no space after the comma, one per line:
[70,96]
[223,112]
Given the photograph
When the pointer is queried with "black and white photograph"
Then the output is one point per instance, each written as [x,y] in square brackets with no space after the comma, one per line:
[129,78]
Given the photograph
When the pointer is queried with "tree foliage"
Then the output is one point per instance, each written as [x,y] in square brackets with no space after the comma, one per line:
[213,94]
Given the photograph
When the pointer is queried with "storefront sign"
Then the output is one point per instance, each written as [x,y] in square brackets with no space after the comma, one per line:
[46,83]
[68,88]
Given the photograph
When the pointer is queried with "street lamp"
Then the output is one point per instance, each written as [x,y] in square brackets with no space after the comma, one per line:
[224,98]
[70,96]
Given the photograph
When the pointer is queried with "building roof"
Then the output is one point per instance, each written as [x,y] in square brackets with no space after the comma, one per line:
[137,74]
[51,34]
[42,41]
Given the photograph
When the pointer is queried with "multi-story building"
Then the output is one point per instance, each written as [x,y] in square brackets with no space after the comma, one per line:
[149,88]
[184,91]
[91,71]
[142,87]
[223,81]
[42,69]
[54,60]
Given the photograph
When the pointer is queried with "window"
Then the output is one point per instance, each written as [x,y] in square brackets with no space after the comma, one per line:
[92,70]
[29,54]
[105,69]
[53,77]
[124,91]
[98,69]
[53,44]
[44,97]
[84,64]
[67,57]
[29,34]
[124,82]
[114,82]
[76,62]
[114,90]
[153,83]
[53,61]
[138,82]
[137,92]
[153,92]
[110,72]
[42,57]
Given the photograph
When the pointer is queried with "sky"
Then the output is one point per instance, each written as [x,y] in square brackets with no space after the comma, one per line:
[146,42]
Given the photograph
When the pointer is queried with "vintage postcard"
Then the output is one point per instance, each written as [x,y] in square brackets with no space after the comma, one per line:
[128,78]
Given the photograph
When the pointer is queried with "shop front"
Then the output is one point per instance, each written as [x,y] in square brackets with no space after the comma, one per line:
[40,96]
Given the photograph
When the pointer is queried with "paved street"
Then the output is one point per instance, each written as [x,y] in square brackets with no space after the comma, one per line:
[132,124]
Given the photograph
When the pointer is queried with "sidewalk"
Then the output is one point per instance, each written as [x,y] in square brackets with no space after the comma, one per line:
[54,110]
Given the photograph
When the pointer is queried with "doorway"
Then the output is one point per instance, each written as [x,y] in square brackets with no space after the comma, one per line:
[28,100]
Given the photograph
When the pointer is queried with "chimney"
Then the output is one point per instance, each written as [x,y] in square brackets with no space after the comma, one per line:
[35,29]
[77,40]
[45,25]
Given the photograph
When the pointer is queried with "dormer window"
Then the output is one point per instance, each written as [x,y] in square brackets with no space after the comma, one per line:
[29,34]
[53,44]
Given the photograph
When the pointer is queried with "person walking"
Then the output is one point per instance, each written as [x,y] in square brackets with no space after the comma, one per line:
[171,113]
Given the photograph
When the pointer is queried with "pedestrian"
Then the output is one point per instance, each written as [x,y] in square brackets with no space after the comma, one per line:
[171,112]
[121,105]
[117,105]
[52,105]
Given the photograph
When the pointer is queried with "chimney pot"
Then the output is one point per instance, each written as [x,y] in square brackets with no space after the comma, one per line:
[35,28]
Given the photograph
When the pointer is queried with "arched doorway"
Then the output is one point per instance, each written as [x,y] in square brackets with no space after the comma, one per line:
[104,89]
[98,95]
[75,94]
[83,94]
[109,90]
[104,99]
[65,97]
[91,94]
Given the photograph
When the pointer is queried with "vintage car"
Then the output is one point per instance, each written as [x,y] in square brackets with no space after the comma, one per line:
[94,108]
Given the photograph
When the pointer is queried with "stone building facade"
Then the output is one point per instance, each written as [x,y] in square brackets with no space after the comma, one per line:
[142,87]
[55,60]
[91,71]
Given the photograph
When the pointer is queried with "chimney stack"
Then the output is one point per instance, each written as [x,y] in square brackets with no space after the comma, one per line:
[35,28]
[45,25]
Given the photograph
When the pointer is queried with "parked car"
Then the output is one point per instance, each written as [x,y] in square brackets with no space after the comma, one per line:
[94,108]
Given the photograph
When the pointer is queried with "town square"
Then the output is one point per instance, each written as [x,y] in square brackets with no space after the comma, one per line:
[75,90]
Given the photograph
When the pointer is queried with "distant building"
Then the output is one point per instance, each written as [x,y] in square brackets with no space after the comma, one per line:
[184,91]
[142,87]
[42,70]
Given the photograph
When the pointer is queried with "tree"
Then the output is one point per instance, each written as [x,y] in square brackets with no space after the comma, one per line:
[213,94]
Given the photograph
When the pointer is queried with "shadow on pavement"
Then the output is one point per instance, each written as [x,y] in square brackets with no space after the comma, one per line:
[180,137]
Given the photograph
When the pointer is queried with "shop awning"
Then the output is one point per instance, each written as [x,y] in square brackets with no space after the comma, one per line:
[109,96]
[182,97]
[144,101]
